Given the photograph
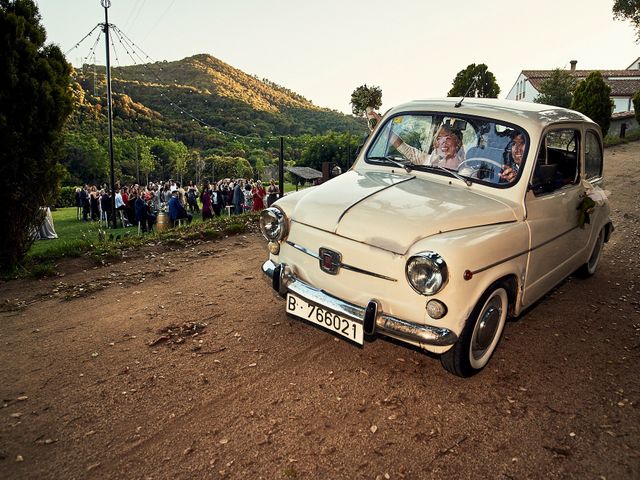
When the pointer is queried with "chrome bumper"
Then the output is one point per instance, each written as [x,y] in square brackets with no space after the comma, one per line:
[283,281]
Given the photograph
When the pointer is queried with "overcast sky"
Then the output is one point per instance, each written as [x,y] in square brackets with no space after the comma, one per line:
[324,49]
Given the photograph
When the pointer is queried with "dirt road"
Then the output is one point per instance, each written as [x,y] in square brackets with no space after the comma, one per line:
[96,383]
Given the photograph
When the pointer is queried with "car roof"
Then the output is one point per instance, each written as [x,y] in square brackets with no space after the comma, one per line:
[526,114]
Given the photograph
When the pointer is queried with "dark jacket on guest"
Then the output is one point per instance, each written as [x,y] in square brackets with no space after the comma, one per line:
[176,209]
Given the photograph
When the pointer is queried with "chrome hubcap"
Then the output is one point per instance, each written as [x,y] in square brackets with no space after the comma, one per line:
[487,327]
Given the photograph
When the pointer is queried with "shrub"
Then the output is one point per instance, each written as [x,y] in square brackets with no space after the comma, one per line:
[66,197]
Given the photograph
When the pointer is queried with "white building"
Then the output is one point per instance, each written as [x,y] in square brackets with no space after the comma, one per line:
[624,84]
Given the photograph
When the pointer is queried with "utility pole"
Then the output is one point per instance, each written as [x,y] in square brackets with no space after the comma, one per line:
[106,4]
[281,169]
[138,164]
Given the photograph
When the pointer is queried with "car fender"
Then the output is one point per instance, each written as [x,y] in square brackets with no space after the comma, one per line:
[476,258]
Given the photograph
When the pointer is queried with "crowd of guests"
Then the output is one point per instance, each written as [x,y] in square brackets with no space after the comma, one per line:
[140,205]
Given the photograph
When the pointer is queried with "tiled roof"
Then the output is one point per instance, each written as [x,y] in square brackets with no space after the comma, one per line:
[626,83]
[625,88]
[307,173]
[621,115]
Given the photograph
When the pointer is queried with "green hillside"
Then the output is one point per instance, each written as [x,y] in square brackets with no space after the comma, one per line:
[216,93]
[191,116]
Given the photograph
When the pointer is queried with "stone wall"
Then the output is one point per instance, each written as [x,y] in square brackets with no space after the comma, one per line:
[616,125]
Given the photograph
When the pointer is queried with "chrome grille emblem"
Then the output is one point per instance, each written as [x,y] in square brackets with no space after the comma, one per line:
[330,261]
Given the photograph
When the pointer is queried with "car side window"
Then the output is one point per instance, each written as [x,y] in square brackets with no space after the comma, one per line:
[592,156]
[557,163]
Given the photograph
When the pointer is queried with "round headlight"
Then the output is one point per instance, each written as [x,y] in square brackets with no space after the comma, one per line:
[427,273]
[273,224]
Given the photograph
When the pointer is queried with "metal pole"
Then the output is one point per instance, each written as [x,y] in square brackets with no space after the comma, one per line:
[106,4]
[281,169]
[137,164]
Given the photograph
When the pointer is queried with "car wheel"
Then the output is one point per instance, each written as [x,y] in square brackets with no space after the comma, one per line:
[481,334]
[591,266]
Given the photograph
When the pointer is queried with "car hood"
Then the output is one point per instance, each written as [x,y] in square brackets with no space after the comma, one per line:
[393,211]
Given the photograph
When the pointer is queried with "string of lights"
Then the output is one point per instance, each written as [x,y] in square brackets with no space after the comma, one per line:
[131,49]
[115,51]
[141,59]
[83,39]
[92,50]
[147,61]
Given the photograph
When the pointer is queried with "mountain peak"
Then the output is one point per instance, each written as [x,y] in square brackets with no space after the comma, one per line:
[210,75]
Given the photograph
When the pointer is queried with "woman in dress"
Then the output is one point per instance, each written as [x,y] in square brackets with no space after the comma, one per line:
[94,202]
[205,197]
[447,147]
[272,192]
[248,197]
[258,192]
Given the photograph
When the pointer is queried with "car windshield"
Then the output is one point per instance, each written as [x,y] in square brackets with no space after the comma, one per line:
[474,149]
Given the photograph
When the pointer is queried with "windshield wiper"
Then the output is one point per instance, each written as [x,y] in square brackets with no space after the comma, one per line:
[407,166]
[450,172]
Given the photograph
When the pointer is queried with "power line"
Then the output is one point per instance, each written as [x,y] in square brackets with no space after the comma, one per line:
[135,13]
[159,18]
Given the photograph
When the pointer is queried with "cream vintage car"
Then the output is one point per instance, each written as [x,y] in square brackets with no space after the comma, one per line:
[455,216]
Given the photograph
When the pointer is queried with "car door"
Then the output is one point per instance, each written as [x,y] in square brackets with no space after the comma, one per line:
[557,242]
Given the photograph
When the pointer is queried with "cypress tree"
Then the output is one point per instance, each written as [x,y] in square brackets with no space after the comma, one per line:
[35,100]
[591,97]
[636,105]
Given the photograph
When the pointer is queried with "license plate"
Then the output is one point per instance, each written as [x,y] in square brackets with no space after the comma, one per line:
[325,318]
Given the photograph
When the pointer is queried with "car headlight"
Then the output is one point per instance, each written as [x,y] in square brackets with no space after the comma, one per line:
[427,273]
[273,224]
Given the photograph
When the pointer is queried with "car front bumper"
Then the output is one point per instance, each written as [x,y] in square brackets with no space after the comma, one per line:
[371,317]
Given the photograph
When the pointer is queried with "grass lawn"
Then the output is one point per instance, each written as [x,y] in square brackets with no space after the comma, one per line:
[75,236]
[71,233]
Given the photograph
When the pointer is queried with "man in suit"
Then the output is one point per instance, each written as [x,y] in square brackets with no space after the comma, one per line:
[217,200]
[143,214]
[238,197]
[177,210]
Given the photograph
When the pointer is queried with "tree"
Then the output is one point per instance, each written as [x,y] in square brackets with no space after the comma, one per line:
[169,155]
[182,160]
[86,160]
[591,97]
[229,167]
[35,100]
[628,10]
[146,162]
[485,86]
[636,105]
[557,90]
[338,148]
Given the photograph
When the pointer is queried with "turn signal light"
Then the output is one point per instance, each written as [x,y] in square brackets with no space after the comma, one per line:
[274,247]
[436,309]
